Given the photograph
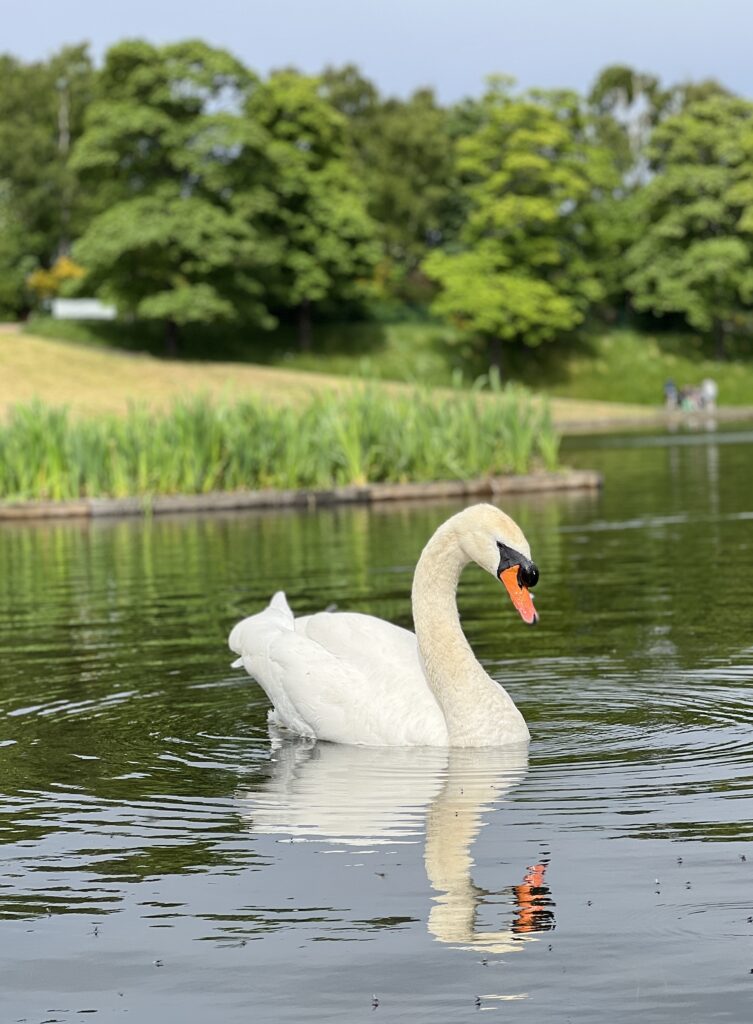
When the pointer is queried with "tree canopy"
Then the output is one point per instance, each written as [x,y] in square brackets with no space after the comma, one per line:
[318,210]
[42,207]
[189,189]
[694,256]
[173,241]
[527,267]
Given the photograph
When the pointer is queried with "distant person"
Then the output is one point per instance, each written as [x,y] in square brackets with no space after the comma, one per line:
[709,393]
[689,398]
[671,395]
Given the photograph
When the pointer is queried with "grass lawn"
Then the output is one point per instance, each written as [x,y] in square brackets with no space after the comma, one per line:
[96,378]
[608,366]
[632,367]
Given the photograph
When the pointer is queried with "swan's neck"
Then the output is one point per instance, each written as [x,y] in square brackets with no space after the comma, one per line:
[477,710]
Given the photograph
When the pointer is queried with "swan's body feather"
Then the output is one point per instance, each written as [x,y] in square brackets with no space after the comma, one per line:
[341,676]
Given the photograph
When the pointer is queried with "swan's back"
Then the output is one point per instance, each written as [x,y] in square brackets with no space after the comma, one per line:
[340,676]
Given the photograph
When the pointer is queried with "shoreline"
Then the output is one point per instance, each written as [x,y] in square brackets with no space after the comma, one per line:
[697,419]
[364,494]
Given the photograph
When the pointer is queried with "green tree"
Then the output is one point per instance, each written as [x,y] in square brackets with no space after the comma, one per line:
[328,241]
[410,174]
[42,106]
[179,178]
[528,266]
[403,152]
[626,106]
[353,95]
[16,262]
[695,252]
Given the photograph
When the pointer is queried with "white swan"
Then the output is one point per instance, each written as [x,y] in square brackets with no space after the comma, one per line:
[352,678]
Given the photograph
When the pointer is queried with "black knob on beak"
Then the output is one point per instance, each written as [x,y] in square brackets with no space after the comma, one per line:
[528,575]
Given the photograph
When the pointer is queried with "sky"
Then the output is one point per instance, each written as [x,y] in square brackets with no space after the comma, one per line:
[406,44]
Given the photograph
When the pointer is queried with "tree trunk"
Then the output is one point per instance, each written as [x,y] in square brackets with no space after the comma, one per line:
[495,354]
[171,339]
[305,328]
[64,145]
[720,338]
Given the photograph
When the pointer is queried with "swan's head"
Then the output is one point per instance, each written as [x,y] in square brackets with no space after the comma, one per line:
[494,541]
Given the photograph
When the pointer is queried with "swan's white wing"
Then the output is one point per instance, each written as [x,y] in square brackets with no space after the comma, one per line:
[343,677]
[369,644]
[397,697]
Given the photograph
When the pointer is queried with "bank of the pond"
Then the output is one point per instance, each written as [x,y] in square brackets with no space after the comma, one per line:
[226,501]
[670,420]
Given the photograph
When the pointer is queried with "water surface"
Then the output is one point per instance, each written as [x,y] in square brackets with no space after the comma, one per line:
[163,860]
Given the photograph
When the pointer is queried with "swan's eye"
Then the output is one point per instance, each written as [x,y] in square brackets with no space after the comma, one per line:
[528,575]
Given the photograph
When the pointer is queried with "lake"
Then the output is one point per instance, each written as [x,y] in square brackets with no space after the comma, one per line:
[163,860]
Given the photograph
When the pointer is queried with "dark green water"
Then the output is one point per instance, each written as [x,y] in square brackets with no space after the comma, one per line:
[161,863]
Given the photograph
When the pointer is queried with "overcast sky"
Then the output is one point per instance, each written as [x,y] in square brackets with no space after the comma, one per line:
[403,44]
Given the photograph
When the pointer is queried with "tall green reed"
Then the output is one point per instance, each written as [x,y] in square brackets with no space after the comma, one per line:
[350,437]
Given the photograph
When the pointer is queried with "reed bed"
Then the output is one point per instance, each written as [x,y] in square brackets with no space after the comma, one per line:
[363,435]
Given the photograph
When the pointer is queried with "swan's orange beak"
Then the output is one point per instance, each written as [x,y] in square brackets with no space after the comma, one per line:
[519,595]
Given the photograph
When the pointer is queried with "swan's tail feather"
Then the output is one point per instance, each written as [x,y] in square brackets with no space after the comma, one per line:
[280,603]
[246,635]
[234,640]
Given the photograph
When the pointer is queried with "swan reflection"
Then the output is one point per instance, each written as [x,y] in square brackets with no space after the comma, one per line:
[366,796]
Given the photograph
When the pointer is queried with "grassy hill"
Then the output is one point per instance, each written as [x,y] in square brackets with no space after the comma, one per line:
[610,366]
[95,378]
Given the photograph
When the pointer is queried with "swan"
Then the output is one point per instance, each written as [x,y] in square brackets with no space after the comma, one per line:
[345,677]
